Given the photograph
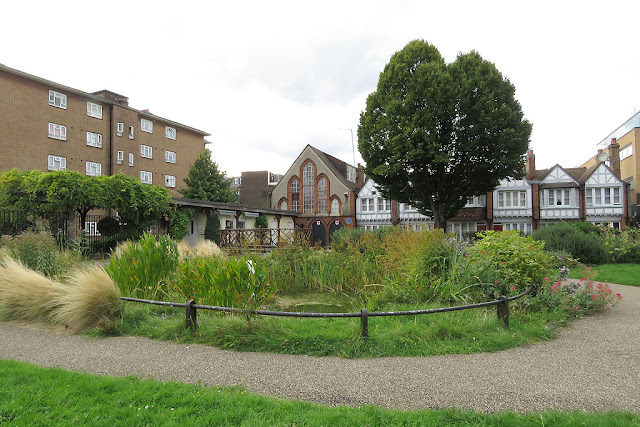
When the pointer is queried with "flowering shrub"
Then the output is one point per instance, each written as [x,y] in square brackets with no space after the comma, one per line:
[577,298]
[621,246]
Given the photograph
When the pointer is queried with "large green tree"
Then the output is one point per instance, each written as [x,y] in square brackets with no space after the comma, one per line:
[206,182]
[434,134]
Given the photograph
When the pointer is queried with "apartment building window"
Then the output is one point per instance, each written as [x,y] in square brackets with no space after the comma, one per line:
[170,132]
[57,131]
[170,156]
[170,181]
[626,151]
[56,163]
[351,173]
[559,197]
[295,195]
[512,199]
[146,125]
[130,159]
[120,129]
[384,205]
[94,169]
[94,139]
[131,130]
[146,177]
[91,228]
[120,157]
[58,99]
[603,196]
[94,110]
[146,151]
[367,205]
[322,195]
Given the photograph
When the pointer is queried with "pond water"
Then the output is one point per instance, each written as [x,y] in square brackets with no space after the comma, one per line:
[316,302]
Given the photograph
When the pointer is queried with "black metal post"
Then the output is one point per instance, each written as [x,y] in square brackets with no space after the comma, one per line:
[191,315]
[503,310]
[364,318]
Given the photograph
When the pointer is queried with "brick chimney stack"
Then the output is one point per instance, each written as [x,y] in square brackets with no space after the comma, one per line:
[614,158]
[530,165]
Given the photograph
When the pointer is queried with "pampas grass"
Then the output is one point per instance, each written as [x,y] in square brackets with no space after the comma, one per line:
[89,299]
[203,249]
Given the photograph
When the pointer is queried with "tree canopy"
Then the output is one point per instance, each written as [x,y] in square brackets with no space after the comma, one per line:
[434,134]
[206,182]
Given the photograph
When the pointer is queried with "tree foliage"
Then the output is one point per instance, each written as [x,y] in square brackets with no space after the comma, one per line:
[434,134]
[206,182]
[51,193]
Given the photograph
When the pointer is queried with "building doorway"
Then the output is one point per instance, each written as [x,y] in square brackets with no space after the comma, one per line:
[319,233]
[335,226]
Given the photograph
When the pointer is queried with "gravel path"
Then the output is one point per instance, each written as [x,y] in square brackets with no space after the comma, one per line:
[592,365]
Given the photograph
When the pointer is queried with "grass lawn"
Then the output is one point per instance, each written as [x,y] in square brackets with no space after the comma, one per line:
[459,332]
[622,274]
[35,396]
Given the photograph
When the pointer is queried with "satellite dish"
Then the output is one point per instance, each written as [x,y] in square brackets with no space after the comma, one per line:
[602,157]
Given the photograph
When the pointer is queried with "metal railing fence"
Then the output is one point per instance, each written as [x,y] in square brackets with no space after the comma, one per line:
[502,304]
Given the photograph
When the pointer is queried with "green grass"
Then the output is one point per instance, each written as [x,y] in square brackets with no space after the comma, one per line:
[622,274]
[35,396]
[459,332]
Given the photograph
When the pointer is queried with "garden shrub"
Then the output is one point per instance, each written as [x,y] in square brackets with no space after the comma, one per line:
[212,227]
[179,227]
[621,246]
[143,269]
[38,251]
[517,261]
[567,237]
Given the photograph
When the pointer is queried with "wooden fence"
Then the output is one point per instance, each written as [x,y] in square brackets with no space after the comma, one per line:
[263,238]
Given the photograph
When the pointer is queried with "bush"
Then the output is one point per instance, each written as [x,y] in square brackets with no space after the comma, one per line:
[212,228]
[142,269]
[575,299]
[568,238]
[179,227]
[621,246]
[517,261]
[37,251]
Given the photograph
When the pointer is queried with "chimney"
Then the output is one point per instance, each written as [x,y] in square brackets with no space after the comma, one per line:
[530,165]
[614,157]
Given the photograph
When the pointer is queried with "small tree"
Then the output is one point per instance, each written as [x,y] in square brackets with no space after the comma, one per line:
[435,134]
[212,228]
[206,182]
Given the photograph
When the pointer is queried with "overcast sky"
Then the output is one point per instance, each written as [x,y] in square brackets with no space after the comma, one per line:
[266,78]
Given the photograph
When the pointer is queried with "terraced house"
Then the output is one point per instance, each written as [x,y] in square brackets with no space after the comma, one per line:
[49,126]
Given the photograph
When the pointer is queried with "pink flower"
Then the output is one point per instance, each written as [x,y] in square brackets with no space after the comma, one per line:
[593,297]
[558,283]
[546,278]
[619,295]
[513,288]
[575,308]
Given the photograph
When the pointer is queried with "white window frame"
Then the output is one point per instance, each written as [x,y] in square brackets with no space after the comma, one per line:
[94,110]
[335,206]
[384,205]
[120,157]
[146,177]
[523,227]
[603,196]
[57,131]
[512,199]
[626,151]
[562,194]
[367,205]
[91,228]
[57,99]
[170,156]
[94,139]
[170,181]
[93,169]
[120,128]
[131,157]
[56,163]
[284,205]
[170,132]
[146,151]
[351,173]
[132,132]
[146,125]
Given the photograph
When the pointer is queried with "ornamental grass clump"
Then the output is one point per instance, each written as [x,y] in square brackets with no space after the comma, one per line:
[88,299]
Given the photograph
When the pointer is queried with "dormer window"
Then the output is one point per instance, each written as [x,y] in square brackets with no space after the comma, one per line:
[351,173]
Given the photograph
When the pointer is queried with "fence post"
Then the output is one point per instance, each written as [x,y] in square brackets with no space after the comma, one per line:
[191,315]
[364,319]
[503,310]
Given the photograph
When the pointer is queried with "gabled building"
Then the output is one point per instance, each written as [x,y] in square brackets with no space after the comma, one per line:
[323,189]
[48,126]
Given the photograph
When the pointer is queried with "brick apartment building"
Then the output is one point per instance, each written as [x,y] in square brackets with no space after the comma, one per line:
[48,126]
